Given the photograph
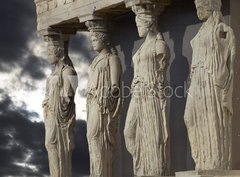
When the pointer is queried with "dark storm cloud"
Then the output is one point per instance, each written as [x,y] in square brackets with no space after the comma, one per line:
[34,67]
[80,44]
[18,19]
[80,155]
[19,138]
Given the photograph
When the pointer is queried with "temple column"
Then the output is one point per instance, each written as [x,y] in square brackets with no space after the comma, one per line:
[104,102]
[214,133]
[146,129]
[59,106]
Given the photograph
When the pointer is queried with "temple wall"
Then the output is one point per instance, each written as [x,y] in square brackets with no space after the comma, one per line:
[234,22]
[52,12]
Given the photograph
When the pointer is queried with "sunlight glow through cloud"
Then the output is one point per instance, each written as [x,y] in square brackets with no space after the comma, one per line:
[80,100]
[39,48]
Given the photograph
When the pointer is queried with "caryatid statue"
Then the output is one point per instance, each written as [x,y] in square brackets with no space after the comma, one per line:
[104,101]
[147,129]
[59,109]
[208,114]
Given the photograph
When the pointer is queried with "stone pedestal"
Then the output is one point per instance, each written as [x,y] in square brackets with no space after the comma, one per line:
[209,173]
[154,176]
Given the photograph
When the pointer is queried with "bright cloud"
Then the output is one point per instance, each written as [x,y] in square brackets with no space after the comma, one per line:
[29,93]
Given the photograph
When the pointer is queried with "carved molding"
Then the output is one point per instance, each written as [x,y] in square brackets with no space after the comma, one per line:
[63,34]
[97,25]
[41,6]
[52,13]
[130,3]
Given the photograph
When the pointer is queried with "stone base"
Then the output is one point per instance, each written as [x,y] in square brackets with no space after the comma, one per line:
[154,176]
[209,173]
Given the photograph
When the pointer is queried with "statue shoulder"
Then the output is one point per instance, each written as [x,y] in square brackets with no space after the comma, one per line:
[161,46]
[114,59]
[68,70]
[224,31]
[223,26]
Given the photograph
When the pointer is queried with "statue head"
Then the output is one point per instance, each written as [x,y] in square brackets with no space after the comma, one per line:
[146,17]
[99,40]
[99,34]
[55,49]
[205,8]
[55,54]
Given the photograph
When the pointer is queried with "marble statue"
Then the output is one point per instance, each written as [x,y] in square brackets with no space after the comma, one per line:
[104,101]
[208,114]
[146,130]
[59,111]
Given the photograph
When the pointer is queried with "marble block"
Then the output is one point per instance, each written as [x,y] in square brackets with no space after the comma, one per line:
[209,173]
[154,176]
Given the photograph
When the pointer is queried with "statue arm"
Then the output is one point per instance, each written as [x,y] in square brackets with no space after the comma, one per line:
[226,40]
[67,91]
[45,104]
[115,90]
[228,89]
[114,99]
[163,56]
[45,101]
[232,57]
[115,70]
[115,74]
[163,52]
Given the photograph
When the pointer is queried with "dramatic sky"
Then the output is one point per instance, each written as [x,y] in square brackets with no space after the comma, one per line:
[23,71]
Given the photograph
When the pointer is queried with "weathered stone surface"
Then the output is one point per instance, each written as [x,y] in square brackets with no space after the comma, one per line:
[54,12]
[104,101]
[147,128]
[209,173]
[130,3]
[208,114]
[59,110]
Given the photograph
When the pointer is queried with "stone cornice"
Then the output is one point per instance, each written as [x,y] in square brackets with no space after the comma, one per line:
[130,3]
[73,13]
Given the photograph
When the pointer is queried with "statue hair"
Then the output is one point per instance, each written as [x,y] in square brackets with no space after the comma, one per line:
[60,52]
[215,5]
[105,39]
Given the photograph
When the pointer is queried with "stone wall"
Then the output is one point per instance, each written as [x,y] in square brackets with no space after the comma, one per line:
[54,12]
[234,22]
